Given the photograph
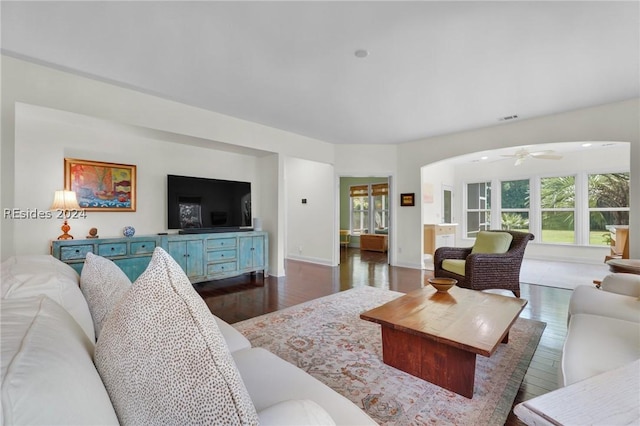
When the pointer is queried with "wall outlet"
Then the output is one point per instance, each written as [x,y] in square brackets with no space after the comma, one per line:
[300,249]
[399,249]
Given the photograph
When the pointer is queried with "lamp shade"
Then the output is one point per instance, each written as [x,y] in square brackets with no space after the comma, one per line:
[65,201]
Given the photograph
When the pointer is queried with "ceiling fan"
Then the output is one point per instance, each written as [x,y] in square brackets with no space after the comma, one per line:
[522,154]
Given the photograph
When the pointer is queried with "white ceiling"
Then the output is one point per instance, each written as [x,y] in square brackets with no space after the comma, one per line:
[433,68]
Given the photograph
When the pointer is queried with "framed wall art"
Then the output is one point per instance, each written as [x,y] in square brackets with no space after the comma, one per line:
[408,199]
[100,186]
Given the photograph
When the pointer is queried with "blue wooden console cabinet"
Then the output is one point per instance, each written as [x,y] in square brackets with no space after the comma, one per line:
[203,257]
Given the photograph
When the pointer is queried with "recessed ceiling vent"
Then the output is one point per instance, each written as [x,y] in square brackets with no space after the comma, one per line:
[508,117]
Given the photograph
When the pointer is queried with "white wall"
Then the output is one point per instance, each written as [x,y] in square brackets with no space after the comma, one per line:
[24,82]
[434,177]
[618,121]
[310,227]
[272,219]
[141,114]
[44,139]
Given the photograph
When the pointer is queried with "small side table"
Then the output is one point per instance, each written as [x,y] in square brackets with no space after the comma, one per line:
[629,266]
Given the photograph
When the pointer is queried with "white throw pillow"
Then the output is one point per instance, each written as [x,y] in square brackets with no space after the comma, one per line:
[163,359]
[48,376]
[34,275]
[103,284]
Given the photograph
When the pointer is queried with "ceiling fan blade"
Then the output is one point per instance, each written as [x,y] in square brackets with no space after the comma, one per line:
[543,152]
[519,161]
[548,157]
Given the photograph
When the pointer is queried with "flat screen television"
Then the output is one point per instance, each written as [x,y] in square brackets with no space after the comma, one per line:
[201,204]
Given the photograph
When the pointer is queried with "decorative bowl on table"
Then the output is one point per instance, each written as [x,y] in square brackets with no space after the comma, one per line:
[442,284]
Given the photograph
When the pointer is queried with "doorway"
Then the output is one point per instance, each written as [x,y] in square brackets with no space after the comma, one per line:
[365,213]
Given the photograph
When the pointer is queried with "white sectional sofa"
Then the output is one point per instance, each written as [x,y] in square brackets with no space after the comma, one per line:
[604,328]
[600,368]
[153,362]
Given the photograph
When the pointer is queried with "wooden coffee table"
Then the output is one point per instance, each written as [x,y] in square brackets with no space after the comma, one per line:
[436,336]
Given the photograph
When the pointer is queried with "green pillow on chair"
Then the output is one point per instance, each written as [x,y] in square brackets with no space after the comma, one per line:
[492,242]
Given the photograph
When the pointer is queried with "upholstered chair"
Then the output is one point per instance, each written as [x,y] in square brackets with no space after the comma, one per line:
[492,263]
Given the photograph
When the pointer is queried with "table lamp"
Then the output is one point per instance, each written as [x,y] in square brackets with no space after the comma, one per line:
[65,201]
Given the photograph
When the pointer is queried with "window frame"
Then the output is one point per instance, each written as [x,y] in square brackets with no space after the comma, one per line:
[581,209]
[369,228]
[487,224]
[502,210]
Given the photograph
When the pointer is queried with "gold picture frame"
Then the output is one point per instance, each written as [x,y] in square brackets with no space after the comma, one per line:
[408,199]
[100,186]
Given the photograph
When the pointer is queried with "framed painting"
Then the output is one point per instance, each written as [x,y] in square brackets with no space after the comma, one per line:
[101,187]
[408,199]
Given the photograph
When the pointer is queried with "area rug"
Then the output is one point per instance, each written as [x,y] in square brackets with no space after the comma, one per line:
[326,338]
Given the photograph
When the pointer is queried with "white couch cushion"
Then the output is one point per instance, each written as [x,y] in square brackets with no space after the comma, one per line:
[596,344]
[233,338]
[621,283]
[33,275]
[587,299]
[163,359]
[271,380]
[298,412]
[103,284]
[48,376]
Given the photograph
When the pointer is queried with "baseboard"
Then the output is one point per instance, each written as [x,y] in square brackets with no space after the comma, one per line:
[566,259]
[409,265]
[308,259]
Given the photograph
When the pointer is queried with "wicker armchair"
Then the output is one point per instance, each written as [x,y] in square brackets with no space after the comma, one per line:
[484,271]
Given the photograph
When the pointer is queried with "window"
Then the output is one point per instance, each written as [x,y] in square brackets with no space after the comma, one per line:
[608,204]
[478,208]
[557,208]
[514,196]
[369,208]
[359,209]
[576,209]
[447,203]
[380,193]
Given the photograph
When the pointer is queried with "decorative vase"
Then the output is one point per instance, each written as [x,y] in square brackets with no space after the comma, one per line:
[128,231]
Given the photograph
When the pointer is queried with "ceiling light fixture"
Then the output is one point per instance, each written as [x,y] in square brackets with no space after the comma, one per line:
[508,117]
[586,145]
[361,53]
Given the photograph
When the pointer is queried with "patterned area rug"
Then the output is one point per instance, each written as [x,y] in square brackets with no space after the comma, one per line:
[327,338]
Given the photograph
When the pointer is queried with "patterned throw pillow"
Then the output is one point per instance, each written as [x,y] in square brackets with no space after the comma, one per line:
[163,359]
[103,284]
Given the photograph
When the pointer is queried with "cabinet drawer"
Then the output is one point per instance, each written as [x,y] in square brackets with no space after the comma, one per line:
[216,243]
[142,247]
[214,256]
[75,252]
[115,249]
[219,268]
[445,230]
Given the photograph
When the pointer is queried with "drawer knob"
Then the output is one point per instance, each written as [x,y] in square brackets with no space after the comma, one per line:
[77,251]
[143,246]
[113,248]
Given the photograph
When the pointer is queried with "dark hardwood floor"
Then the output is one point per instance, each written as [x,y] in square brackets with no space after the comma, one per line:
[244,297]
